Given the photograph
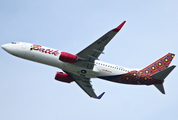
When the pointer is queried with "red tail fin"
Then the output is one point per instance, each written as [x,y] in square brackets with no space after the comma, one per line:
[158,65]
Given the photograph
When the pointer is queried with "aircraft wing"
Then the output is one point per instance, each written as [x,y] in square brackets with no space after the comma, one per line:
[93,51]
[84,83]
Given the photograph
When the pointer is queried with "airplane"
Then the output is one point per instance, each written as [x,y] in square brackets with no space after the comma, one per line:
[85,65]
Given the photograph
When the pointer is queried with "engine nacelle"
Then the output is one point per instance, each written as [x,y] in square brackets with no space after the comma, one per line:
[67,57]
[63,77]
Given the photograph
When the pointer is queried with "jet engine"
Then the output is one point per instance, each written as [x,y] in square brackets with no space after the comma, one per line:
[67,57]
[63,77]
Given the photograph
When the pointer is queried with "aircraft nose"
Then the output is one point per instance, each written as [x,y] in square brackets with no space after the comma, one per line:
[5,47]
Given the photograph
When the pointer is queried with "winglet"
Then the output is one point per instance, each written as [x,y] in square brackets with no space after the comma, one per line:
[119,27]
[100,96]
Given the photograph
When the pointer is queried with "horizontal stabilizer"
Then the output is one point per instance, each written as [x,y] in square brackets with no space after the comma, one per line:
[160,87]
[100,96]
[163,74]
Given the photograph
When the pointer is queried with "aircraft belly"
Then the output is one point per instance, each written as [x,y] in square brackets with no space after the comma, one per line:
[79,71]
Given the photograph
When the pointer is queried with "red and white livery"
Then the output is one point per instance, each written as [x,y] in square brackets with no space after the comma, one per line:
[85,65]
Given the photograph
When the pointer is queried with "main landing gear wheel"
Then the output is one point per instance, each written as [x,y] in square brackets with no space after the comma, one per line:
[83,71]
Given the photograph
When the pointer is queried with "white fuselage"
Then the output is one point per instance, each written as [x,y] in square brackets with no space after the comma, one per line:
[50,57]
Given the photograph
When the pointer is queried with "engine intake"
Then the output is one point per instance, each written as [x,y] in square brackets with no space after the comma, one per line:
[63,77]
[67,57]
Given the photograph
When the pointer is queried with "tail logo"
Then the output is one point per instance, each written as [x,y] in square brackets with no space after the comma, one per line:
[158,65]
[144,76]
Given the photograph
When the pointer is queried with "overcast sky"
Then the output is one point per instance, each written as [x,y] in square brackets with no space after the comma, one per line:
[28,90]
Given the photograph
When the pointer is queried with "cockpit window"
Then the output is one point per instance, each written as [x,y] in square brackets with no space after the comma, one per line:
[14,42]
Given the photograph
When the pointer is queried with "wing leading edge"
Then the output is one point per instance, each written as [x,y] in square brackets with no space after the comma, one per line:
[93,51]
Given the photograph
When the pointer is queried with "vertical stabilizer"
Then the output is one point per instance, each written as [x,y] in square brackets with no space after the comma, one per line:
[158,65]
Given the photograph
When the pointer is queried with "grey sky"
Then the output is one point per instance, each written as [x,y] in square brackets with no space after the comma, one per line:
[28,90]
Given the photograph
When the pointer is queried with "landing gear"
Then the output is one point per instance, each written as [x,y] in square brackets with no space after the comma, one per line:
[82,73]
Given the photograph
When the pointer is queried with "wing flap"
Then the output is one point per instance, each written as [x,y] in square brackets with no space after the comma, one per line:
[85,84]
[87,87]
[93,51]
